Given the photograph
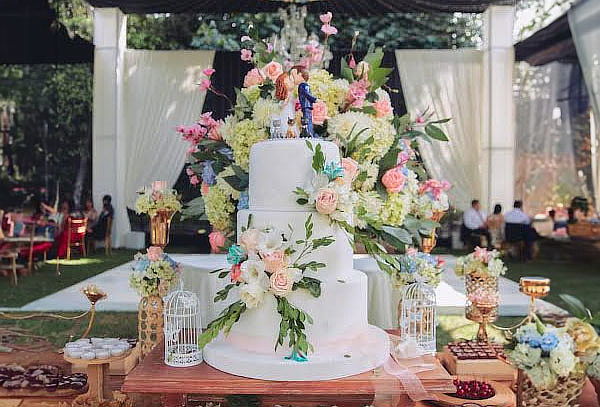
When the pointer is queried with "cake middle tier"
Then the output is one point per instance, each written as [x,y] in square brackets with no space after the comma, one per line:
[337,257]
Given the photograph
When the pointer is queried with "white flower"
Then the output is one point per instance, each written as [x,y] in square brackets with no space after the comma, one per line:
[542,376]
[341,126]
[270,239]
[562,360]
[252,294]
[263,111]
[525,356]
[371,171]
[253,271]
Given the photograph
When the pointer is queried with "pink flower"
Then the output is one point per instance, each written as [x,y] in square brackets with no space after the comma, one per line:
[350,170]
[213,133]
[319,112]
[434,187]
[207,120]
[236,273]
[481,254]
[208,71]
[246,55]
[155,253]
[253,77]
[352,62]
[281,283]
[249,240]
[326,18]
[357,92]
[204,188]
[383,108]
[216,239]
[180,129]
[274,261]
[192,150]
[272,70]
[329,29]
[403,158]
[440,262]
[393,180]
[245,38]
[420,120]
[326,201]
[269,47]
[194,180]
[205,85]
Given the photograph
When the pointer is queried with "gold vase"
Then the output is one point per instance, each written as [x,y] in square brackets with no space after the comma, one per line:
[428,243]
[150,322]
[481,283]
[160,225]
[566,393]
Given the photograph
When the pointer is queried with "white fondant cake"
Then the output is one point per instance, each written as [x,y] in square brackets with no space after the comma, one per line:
[344,343]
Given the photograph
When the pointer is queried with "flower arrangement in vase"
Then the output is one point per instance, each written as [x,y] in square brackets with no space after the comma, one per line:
[160,203]
[415,266]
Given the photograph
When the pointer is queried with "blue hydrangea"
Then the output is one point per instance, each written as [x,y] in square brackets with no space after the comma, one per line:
[548,342]
[142,264]
[243,203]
[235,254]
[533,340]
[404,171]
[169,260]
[226,151]
[333,170]
[208,174]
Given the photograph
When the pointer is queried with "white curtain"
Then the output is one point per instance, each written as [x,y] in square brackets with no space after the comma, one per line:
[159,92]
[584,22]
[449,82]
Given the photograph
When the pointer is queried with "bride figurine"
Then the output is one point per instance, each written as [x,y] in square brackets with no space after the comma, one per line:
[284,91]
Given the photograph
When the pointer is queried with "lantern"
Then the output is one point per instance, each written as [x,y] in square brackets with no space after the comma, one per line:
[418,315]
[182,327]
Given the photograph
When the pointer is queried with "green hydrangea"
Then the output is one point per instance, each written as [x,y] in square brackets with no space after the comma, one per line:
[325,88]
[245,134]
[219,207]
[252,93]
[395,209]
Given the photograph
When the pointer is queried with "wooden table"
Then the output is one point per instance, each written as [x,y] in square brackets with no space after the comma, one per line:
[23,241]
[174,385]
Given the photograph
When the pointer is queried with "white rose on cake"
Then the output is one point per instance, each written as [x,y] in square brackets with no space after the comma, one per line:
[271,239]
[249,240]
[252,294]
[253,270]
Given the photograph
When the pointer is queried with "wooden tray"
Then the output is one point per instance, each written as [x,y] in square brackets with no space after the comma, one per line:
[489,369]
[504,396]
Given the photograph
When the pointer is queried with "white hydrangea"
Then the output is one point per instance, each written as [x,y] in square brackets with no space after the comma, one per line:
[371,171]
[226,129]
[562,360]
[524,356]
[593,369]
[264,110]
[542,376]
[368,207]
[341,125]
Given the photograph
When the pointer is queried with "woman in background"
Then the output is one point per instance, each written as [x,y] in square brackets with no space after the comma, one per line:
[495,224]
[90,213]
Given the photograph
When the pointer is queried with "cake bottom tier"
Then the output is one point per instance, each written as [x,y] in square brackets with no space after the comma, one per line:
[365,351]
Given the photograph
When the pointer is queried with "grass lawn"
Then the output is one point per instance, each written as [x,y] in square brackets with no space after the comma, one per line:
[44,280]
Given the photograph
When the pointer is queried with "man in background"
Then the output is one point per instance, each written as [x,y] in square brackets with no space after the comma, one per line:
[475,225]
[518,228]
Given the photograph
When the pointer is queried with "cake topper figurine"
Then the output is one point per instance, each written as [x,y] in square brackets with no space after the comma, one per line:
[299,75]
[284,92]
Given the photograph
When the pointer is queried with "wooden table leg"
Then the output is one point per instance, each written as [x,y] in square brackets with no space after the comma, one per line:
[98,385]
[173,400]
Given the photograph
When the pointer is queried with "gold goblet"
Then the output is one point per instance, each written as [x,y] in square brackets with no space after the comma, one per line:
[534,287]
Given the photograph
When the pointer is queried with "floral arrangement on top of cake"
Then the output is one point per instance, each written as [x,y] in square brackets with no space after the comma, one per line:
[394,199]
[158,197]
[155,272]
[481,261]
[269,262]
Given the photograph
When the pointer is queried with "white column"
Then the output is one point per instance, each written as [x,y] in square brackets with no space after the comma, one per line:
[498,138]
[108,145]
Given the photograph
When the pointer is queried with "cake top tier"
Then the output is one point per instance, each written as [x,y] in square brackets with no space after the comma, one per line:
[277,167]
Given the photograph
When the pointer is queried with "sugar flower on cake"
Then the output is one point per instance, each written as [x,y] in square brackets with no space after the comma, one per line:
[154,273]
[481,261]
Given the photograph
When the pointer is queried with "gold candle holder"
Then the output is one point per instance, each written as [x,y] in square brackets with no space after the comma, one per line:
[534,287]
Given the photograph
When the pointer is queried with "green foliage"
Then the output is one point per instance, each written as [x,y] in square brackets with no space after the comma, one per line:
[223,323]
[312,285]
[292,326]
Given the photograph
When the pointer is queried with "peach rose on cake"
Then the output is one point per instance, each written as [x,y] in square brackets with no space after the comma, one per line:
[236,273]
[253,77]
[326,201]
[155,253]
[281,283]
[216,239]
[249,240]
[319,112]
[351,170]
[274,261]
[272,70]
[393,180]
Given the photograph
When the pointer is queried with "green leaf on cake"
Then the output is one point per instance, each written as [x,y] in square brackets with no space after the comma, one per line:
[312,285]
[223,293]
[318,162]
[223,323]
[292,326]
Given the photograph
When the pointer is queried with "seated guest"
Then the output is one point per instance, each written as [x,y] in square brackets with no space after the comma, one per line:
[495,223]
[98,231]
[90,213]
[475,225]
[516,215]
[518,228]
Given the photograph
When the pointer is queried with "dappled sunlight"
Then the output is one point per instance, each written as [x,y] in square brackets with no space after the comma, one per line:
[77,262]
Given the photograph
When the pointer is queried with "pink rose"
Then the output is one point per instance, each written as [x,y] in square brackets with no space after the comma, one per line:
[352,62]
[253,77]
[326,18]
[236,273]
[319,112]
[329,29]
[326,201]
[194,180]
[358,92]
[246,55]
[155,253]
[249,240]
[393,180]
[204,188]
[481,254]
[205,85]
[274,261]
[383,108]
[350,170]
[216,239]
[281,283]
[272,70]
[208,71]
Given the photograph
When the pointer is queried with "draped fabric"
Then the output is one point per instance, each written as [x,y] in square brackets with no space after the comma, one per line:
[449,83]
[159,92]
[584,21]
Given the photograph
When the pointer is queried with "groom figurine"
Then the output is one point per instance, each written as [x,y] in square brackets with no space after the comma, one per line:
[300,77]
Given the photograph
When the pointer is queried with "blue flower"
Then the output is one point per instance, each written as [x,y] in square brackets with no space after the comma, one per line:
[533,340]
[404,171]
[243,202]
[169,260]
[235,254]
[142,264]
[226,151]
[548,342]
[333,170]
[208,174]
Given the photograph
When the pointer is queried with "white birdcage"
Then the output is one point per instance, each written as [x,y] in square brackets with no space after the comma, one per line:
[183,325]
[418,315]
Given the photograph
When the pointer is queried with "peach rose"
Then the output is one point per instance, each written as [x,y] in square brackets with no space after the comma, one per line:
[204,188]
[272,70]
[253,77]
[351,169]
[249,239]
[236,273]
[274,261]
[281,283]
[216,239]
[393,180]
[326,201]
[383,108]
[319,112]
[155,253]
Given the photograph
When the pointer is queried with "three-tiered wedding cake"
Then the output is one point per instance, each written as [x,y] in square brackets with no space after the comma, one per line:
[344,342]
